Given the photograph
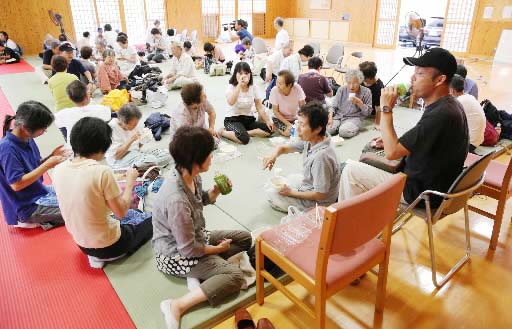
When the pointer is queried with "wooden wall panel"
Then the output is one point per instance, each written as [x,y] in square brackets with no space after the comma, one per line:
[486,33]
[185,14]
[277,8]
[362,16]
[27,21]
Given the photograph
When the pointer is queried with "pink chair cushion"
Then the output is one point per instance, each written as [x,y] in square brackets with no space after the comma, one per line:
[341,266]
[493,174]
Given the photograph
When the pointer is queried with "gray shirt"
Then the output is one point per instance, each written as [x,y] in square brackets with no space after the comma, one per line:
[344,109]
[321,170]
[178,222]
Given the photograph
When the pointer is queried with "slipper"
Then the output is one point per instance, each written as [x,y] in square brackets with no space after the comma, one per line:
[265,323]
[243,319]
[170,320]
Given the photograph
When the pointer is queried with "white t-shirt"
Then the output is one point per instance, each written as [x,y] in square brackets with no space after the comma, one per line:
[120,136]
[83,42]
[282,38]
[67,118]
[125,66]
[476,118]
[245,102]
[184,66]
[276,59]
[293,64]
[83,203]
[11,44]
[111,37]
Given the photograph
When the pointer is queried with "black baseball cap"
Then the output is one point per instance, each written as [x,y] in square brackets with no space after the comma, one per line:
[438,58]
[66,46]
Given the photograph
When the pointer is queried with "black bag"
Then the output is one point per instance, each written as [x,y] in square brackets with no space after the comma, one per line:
[207,62]
[491,112]
[229,65]
[334,85]
[269,265]
[376,158]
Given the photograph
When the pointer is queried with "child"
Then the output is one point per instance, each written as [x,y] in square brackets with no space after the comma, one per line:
[59,82]
[22,169]
[7,55]
[375,85]
[109,75]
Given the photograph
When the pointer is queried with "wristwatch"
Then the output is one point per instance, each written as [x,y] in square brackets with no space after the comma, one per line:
[386,109]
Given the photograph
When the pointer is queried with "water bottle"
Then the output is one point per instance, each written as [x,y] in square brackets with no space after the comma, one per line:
[293,131]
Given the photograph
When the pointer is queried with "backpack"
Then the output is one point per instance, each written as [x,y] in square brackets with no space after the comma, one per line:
[491,112]
[491,136]
[207,62]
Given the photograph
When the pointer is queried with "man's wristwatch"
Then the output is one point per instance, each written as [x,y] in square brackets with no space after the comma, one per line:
[386,109]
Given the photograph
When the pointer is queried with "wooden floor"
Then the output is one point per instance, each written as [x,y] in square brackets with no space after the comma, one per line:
[480,294]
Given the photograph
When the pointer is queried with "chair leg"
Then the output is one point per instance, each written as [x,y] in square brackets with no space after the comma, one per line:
[498,218]
[260,291]
[460,263]
[381,286]
[320,310]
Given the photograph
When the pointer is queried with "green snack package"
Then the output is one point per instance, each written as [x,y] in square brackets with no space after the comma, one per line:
[401,89]
[222,182]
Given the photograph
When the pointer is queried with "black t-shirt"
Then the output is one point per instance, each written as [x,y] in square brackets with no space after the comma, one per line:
[47,57]
[439,145]
[376,90]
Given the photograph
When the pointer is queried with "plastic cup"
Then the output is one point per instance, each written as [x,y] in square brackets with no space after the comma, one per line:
[351,95]
[401,89]
[222,182]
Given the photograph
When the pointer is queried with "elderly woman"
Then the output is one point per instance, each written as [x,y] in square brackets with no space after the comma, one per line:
[183,247]
[351,105]
[286,98]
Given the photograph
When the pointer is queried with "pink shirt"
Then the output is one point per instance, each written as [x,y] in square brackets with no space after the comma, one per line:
[288,105]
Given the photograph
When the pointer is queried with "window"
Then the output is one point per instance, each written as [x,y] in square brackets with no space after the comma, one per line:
[259,6]
[155,9]
[245,12]
[135,20]
[108,13]
[84,17]
[139,15]
[458,25]
[227,12]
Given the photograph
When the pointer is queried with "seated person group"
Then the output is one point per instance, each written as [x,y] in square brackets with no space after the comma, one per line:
[177,228]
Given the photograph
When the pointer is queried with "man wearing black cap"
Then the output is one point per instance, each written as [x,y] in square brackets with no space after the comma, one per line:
[75,66]
[434,149]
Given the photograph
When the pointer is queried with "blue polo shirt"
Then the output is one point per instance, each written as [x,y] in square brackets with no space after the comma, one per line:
[243,33]
[17,159]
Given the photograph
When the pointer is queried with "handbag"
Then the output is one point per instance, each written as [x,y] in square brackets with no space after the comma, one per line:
[376,157]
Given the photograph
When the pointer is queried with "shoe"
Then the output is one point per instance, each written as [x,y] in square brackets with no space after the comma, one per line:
[264,323]
[27,225]
[95,262]
[170,320]
[243,319]
[357,281]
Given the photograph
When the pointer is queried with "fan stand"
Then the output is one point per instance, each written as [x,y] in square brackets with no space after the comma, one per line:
[417,53]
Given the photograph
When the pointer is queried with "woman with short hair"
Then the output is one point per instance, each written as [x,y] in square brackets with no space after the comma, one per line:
[88,193]
[351,105]
[183,247]
[286,99]
[22,169]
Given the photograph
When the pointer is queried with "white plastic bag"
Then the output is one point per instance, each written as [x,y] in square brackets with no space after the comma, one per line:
[293,212]
[157,99]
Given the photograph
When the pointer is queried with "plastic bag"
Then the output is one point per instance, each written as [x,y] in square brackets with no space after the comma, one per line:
[115,99]
[157,99]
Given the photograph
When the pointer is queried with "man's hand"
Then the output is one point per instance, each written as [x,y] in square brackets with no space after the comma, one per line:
[59,151]
[270,125]
[377,143]
[54,160]
[388,96]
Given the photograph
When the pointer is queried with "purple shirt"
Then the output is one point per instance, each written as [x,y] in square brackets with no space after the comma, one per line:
[470,87]
[18,159]
[315,86]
